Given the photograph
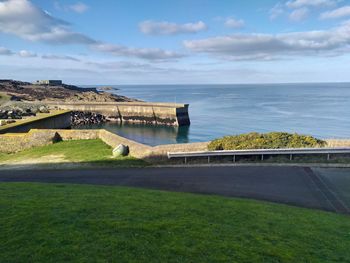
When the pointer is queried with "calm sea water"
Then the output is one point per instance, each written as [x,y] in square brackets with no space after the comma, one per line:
[321,110]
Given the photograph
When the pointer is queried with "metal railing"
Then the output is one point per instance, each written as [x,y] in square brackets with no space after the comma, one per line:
[259,152]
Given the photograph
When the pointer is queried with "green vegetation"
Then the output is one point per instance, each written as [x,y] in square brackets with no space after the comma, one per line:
[4,98]
[66,223]
[272,140]
[80,151]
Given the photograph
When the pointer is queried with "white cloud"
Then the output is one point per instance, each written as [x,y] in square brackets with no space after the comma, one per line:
[26,54]
[336,13]
[145,53]
[234,23]
[310,3]
[299,14]
[23,19]
[79,7]
[167,28]
[5,52]
[332,42]
[276,11]
[27,21]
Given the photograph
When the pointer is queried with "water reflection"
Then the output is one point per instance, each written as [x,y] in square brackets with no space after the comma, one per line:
[143,133]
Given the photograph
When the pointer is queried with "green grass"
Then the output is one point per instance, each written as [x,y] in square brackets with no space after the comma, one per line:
[76,223]
[77,151]
[4,98]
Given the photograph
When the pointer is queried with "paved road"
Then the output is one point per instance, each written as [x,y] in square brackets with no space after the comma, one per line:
[300,186]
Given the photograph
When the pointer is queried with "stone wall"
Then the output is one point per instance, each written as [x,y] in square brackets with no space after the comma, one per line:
[54,120]
[14,142]
[137,150]
[134,112]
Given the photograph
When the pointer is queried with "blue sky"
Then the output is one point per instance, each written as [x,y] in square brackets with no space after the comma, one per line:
[175,42]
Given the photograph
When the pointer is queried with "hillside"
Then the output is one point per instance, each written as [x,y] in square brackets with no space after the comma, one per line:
[25,91]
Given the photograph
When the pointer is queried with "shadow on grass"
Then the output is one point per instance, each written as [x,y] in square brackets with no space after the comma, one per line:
[126,162]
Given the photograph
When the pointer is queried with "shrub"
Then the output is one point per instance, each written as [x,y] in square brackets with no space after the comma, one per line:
[272,140]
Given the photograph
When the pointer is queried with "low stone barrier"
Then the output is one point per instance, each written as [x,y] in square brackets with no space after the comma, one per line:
[136,149]
[14,142]
[54,120]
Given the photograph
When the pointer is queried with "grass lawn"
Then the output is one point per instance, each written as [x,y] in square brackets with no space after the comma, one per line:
[94,152]
[77,223]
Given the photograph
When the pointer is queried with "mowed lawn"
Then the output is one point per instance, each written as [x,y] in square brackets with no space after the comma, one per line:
[77,223]
[76,151]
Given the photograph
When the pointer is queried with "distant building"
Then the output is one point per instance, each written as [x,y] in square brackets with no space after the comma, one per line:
[50,82]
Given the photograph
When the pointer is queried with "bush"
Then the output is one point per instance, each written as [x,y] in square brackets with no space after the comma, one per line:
[272,140]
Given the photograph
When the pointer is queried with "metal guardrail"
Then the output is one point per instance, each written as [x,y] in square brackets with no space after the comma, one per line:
[260,152]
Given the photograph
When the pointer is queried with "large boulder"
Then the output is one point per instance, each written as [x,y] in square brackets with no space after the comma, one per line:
[121,150]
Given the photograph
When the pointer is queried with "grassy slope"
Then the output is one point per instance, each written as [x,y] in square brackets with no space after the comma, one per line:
[85,151]
[65,223]
[4,98]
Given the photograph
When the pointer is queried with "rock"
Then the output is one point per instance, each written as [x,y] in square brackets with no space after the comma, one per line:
[121,150]
[86,118]
[43,109]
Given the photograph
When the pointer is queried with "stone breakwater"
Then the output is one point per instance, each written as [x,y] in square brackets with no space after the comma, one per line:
[133,112]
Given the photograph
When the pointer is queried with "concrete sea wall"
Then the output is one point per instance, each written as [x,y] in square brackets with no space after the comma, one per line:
[54,120]
[133,112]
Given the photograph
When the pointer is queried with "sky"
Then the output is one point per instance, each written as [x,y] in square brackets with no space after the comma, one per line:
[175,42]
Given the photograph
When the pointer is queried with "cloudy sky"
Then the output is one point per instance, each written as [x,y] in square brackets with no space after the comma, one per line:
[175,42]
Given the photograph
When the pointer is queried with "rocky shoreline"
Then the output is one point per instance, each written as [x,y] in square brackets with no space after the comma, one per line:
[18,112]
[25,91]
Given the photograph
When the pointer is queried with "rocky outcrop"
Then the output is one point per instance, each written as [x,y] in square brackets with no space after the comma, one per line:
[85,118]
[19,111]
[25,91]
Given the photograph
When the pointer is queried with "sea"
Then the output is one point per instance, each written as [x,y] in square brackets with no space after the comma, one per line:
[318,109]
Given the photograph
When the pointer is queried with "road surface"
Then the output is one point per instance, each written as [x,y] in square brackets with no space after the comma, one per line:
[299,186]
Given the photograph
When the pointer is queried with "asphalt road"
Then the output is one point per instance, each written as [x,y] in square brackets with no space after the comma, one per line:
[299,186]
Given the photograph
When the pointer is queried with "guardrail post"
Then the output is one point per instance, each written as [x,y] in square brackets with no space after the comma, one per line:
[234,159]
[262,157]
[185,160]
[208,159]
[328,157]
[291,157]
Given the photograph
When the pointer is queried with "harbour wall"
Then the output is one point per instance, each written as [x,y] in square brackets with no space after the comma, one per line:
[60,119]
[133,112]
